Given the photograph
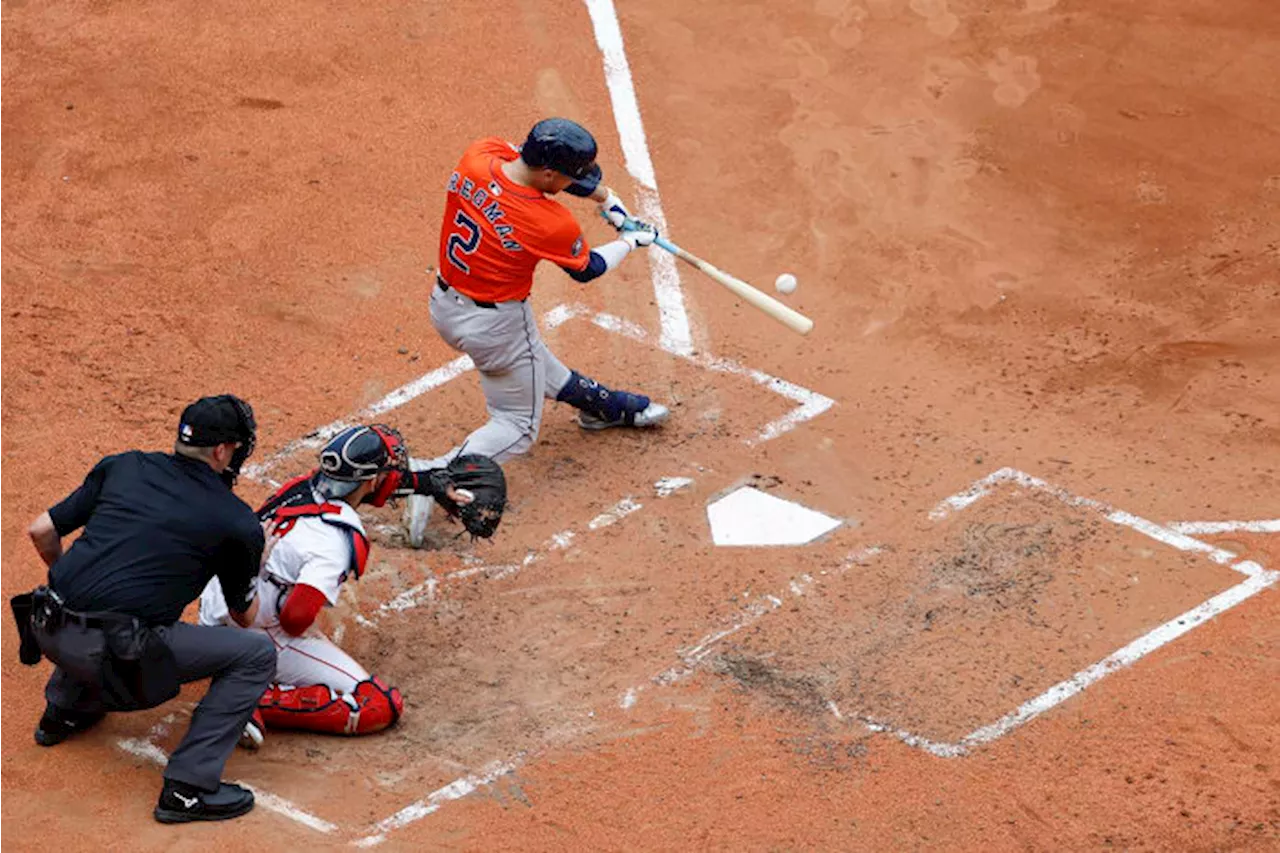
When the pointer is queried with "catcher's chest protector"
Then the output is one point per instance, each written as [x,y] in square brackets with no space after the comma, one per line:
[295,500]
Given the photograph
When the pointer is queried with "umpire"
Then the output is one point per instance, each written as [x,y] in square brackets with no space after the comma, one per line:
[157,527]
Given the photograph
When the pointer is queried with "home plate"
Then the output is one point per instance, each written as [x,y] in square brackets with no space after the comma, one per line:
[748,516]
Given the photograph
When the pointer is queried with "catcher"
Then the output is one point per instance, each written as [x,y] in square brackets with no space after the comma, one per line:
[317,542]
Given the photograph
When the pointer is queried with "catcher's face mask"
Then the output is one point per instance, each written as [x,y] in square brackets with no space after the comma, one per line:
[396,466]
[360,454]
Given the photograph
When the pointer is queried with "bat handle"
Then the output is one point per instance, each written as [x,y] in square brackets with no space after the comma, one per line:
[661,242]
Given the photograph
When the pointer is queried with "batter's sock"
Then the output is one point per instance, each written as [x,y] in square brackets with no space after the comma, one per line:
[588,395]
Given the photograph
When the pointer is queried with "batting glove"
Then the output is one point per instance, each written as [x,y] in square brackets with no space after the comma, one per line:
[614,210]
[639,233]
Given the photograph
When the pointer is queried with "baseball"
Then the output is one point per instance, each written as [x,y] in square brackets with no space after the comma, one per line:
[785,283]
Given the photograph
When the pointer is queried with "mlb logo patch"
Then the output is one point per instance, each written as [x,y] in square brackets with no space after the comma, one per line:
[577,247]
[186,431]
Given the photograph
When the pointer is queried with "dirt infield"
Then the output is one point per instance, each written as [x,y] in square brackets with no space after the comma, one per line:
[1039,241]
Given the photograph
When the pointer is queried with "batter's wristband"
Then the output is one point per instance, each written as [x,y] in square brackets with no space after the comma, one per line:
[613,252]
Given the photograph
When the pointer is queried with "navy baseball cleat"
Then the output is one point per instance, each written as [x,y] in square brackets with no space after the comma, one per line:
[650,415]
[600,407]
[181,803]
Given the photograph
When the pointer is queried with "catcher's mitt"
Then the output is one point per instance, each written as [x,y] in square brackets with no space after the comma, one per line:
[483,479]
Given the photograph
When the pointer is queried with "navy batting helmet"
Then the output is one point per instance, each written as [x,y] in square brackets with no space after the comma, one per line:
[568,148]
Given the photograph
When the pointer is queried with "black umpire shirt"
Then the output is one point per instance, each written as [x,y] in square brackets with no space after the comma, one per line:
[157,527]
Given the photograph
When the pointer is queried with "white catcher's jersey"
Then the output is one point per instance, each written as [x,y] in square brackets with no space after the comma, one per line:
[314,552]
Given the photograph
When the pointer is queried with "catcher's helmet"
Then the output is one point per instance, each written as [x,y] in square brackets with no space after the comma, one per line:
[568,148]
[358,454]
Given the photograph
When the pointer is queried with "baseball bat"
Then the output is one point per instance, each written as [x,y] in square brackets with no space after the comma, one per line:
[789,317]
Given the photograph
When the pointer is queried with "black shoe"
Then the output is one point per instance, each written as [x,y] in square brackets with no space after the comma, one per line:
[182,804]
[58,724]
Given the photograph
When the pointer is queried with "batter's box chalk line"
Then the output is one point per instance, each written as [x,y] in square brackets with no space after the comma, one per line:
[428,805]
[425,592]
[1256,580]
[1214,528]
[148,749]
[809,404]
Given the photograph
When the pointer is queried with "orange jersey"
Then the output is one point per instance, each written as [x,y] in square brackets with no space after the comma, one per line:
[495,231]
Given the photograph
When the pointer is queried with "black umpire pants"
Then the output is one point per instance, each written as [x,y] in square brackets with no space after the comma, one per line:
[241,664]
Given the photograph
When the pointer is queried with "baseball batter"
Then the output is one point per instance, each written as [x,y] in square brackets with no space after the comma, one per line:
[318,542]
[500,220]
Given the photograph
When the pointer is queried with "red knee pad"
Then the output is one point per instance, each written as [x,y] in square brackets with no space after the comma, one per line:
[380,705]
[317,708]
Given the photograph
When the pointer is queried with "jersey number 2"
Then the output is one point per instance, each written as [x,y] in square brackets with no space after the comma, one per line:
[463,241]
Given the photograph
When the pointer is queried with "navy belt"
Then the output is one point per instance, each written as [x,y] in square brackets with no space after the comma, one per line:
[446,287]
[480,303]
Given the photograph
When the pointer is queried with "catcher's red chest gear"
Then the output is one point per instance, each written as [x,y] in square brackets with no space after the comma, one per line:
[296,499]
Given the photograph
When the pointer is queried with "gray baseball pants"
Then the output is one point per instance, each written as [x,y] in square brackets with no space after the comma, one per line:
[241,665]
[517,371]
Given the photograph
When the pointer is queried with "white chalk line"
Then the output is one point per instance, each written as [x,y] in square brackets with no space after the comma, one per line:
[430,804]
[1160,533]
[281,806]
[691,657]
[144,749]
[942,750]
[676,336]
[556,317]
[616,513]
[147,749]
[668,486]
[1124,657]
[411,598]
[975,492]
[1257,579]
[395,399]
[425,592]
[810,403]
[1208,528]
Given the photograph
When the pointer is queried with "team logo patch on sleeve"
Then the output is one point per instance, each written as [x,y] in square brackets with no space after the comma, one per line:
[577,247]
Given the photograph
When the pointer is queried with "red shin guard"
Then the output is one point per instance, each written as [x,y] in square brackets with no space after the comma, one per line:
[317,708]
